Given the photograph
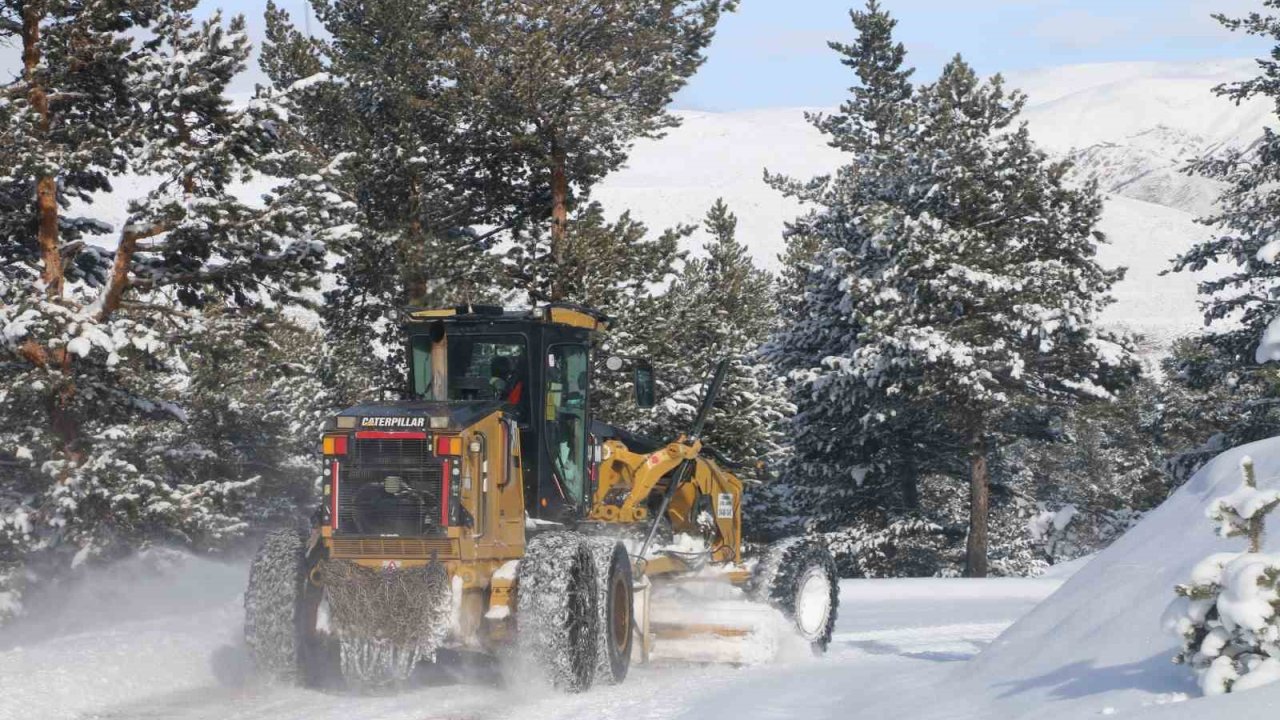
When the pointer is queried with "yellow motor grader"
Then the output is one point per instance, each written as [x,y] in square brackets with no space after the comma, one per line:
[490,511]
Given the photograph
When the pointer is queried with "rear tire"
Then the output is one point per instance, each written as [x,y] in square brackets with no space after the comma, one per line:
[274,608]
[557,612]
[616,603]
[798,577]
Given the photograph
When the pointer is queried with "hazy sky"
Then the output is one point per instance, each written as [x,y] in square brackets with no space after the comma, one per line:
[773,52]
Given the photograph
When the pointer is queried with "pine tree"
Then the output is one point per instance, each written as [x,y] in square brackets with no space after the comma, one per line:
[94,340]
[877,112]
[379,101]
[1211,403]
[983,292]
[1092,472]
[1222,387]
[603,264]
[955,294]
[577,81]
[255,401]
[869,126]
[848,473]
[1242,306]
[64,118]
[721,306]
[1223,615]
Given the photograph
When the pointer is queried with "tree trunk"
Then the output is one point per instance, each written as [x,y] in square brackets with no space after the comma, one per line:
[46,184]
[909,485]
[559,218]
[118,282]
[414,256]
[62,421]
[975,565]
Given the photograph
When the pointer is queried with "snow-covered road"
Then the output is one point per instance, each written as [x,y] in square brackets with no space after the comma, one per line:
[128,647]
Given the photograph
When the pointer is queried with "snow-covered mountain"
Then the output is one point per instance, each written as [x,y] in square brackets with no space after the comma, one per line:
[1132,126]
[1148,166]
[1129,125]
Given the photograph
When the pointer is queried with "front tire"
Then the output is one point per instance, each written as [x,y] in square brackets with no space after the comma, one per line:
[616,603]
[798,577]
[275,606]
[557,613]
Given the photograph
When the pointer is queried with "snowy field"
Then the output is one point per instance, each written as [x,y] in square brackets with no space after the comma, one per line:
[1085,642]
[167,649]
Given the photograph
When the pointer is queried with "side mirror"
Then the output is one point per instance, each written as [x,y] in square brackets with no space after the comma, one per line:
[643,380]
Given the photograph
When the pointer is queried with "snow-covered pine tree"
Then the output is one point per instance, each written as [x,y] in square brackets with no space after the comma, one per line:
[983,288]
[868,126]
[854,478]
[1090,475]
[63,118]
[1211,402]
[575,82]
[92,339]
[719,306]
[378,101]
[1246,230]
[797,260]
[603,264]
[957,287]
[255,400]
[877,112]
[1225,614]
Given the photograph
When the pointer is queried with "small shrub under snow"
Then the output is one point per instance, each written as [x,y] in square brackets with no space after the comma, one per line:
[1226,612]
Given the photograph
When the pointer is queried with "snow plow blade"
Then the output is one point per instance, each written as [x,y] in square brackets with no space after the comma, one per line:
[711,621]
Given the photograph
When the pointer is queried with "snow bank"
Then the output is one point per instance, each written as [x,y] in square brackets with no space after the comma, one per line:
[1098,644]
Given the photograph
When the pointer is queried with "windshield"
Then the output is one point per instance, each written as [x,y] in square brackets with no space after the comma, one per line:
[492,367]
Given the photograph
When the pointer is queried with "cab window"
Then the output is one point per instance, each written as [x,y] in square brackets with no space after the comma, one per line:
[421,359]
[565,412]
[479,368]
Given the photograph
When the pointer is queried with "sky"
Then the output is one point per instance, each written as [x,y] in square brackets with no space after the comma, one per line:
[772,53]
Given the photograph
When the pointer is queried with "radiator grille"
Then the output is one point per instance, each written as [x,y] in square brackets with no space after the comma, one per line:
[365,508]
[392,451]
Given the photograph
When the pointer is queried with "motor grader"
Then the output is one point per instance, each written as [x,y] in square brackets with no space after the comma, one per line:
[488,510]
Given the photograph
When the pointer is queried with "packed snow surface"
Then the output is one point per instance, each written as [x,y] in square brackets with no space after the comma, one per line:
[169,648]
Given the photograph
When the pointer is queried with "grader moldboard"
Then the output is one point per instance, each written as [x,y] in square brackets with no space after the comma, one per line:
[491,512]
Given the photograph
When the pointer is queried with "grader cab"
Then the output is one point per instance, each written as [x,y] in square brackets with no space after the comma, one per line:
[489,509]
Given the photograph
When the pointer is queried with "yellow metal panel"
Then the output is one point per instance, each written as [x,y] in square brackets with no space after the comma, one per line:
[565,316]
[678,631]
[428,314]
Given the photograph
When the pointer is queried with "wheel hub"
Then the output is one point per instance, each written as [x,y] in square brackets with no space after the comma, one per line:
[813,602]
[620,625]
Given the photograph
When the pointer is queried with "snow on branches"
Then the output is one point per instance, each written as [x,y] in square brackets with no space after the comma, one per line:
[1226,613]
[952,288]
[97,344]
